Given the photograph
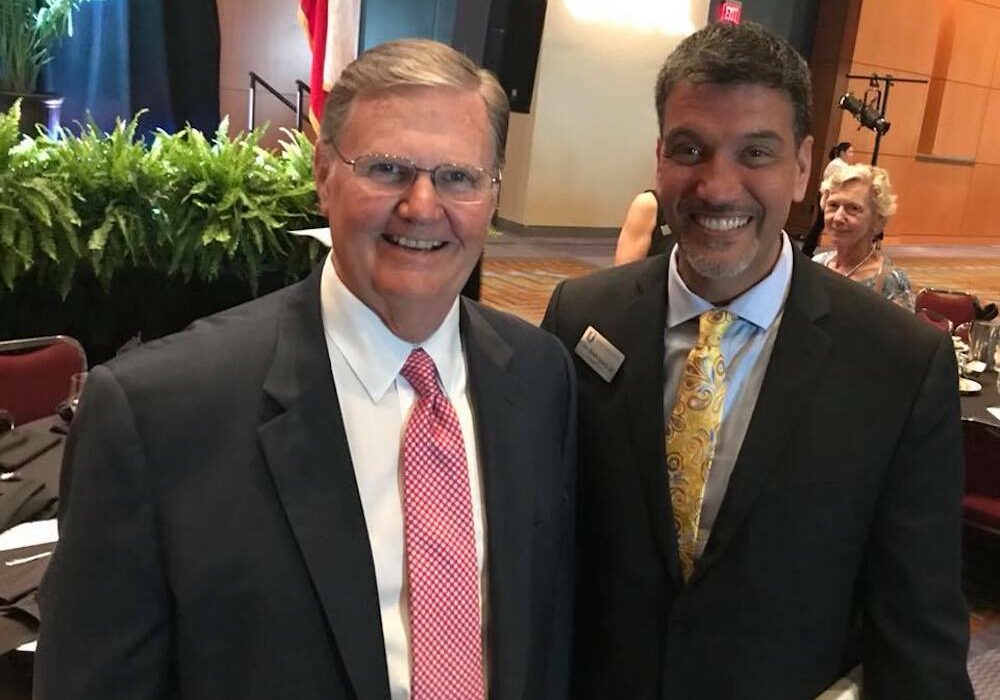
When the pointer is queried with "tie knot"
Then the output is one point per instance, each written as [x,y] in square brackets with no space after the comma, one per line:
[712,326]
[420,372]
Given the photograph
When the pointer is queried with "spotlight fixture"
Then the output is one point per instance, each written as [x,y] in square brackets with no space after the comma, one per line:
[866,113]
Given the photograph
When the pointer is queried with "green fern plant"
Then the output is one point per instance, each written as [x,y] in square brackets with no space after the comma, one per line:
[118,186]
[184,205]
[29,30]
[38,223]
[230,201]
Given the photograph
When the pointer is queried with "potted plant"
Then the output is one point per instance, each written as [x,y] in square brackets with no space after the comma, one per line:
[29,30]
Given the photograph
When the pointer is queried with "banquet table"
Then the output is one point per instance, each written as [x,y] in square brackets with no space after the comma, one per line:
[975,405]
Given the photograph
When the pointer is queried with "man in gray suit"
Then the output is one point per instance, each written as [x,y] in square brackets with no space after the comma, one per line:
[769,452]
[360,486]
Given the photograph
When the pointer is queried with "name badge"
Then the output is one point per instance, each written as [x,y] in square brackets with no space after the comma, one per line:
[603,357]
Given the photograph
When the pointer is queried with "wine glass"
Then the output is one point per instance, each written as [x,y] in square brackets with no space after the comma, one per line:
[67,409]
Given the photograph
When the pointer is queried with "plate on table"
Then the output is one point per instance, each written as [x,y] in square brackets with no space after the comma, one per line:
[975,366]
[968,386]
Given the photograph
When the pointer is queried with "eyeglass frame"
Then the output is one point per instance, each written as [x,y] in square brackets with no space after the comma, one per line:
[417,170]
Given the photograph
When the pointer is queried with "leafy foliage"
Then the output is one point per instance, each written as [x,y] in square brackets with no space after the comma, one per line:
[29,29]
[230,200]
[38,223]
[185,205]
[117,188]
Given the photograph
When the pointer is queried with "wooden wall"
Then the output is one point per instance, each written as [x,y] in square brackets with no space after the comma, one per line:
[263,36]
[943,150]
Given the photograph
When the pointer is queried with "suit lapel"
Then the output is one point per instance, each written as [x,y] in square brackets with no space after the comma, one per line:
[307,453]
[637,330]
[495,394]
[794,367]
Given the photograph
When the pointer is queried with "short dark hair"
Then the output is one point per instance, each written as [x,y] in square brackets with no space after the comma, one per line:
[733,54]
[839,149]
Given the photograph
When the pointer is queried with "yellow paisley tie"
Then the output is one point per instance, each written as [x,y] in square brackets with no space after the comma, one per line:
[692,432]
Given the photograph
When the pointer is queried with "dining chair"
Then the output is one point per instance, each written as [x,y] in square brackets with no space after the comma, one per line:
[35,374]
[958,307]
[935,319]
[981,500]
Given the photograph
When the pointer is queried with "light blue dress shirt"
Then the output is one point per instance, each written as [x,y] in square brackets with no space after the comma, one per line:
[746,351]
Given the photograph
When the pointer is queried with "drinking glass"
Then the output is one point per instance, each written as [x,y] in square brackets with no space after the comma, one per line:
[67,409]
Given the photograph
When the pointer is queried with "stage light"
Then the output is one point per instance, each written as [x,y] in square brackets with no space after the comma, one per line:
[866,114]
[641,15]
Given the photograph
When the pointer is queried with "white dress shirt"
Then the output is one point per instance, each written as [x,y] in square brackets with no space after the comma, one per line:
[375,402]
[746,351]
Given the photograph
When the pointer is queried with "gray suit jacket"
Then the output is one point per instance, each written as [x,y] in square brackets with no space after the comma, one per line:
[213,543]
[843,506]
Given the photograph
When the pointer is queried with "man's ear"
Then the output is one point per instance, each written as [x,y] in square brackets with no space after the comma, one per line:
[659,143]
[321,170]
[803,160]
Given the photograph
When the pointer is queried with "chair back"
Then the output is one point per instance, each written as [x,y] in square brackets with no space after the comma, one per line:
[35,374]
[935,319]
[982,458]
[957,307]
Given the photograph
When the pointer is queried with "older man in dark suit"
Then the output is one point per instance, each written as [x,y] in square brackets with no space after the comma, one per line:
[769,453]
[358,487]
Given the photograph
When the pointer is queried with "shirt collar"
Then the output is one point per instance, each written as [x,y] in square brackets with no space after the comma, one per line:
[759,305]
[372,351]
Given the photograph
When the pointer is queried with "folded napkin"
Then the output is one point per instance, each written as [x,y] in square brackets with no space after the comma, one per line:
[995,412]
[14,456]
[23,500]
[12,439]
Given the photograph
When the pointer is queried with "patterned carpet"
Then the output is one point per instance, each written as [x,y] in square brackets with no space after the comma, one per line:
[523,286]
[980,276]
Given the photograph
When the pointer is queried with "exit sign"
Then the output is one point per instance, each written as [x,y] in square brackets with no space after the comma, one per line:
[730,10]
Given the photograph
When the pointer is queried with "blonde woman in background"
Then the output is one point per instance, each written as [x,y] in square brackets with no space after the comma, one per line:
[857,202]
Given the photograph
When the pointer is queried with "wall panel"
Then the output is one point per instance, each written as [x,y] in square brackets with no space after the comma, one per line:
[900,34]
[932,196]
[982,211]
[989,142]
[976,43]
[262,36]
[960,120]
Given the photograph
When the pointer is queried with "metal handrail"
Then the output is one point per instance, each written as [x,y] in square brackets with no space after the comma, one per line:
[300,87]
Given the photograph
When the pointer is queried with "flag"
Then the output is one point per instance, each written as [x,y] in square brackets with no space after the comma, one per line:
[332,28]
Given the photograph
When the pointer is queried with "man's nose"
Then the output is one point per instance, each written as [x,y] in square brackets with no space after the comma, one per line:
[719,181]
[420,201]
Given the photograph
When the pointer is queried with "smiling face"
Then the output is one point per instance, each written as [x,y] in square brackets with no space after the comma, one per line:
[849,216]
[407,254]
[728,169]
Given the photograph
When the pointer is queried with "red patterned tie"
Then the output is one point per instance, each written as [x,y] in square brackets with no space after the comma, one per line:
[445,637]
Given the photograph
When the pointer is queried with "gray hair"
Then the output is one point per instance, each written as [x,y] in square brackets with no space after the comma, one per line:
[415,63]
[877,179]
[739,54]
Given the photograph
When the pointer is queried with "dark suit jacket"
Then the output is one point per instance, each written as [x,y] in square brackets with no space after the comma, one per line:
[844,503]
[213,543]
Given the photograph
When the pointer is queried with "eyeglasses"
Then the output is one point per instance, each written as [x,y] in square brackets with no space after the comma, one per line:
[453,182]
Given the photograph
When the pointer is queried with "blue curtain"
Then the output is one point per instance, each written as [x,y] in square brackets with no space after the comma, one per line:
[127,55]
[91,69]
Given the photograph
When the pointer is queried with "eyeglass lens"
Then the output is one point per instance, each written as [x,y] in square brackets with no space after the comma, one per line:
[453,181]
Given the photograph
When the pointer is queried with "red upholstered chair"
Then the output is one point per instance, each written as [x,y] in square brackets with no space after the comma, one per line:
[958,307]
[35,374]
[981,502]
[935,319]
